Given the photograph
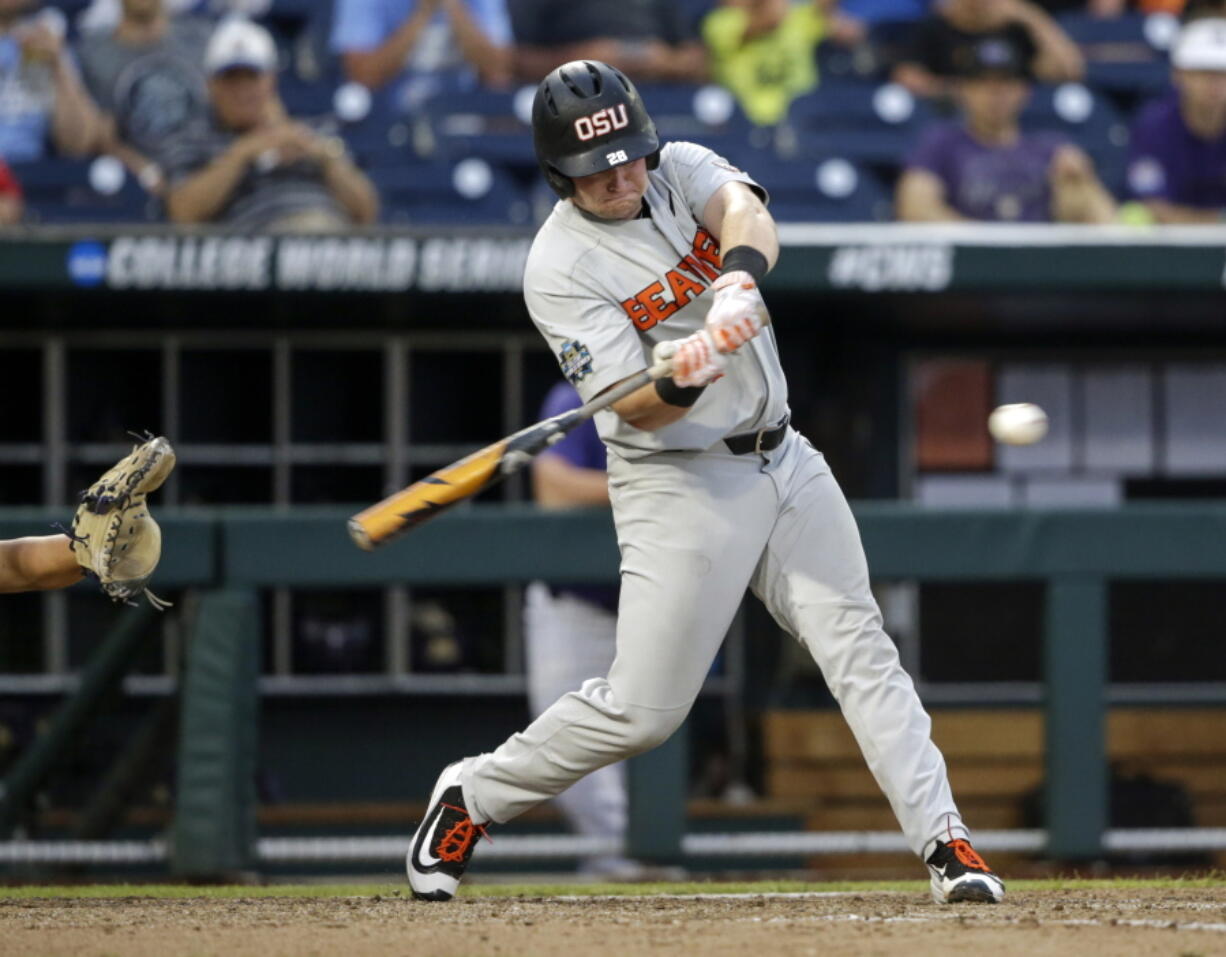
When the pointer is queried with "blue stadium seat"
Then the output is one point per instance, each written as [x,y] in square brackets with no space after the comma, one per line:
[863,122]
[59,191]
[692,11]
[439,192]
[482,123]
[300,9]
[708,115]
[1120,56]
[830,190]
[303,99]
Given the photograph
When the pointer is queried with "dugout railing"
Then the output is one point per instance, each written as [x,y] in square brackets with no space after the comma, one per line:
[226,556]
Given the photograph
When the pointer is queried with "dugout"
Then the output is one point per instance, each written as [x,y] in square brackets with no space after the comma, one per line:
[295,373]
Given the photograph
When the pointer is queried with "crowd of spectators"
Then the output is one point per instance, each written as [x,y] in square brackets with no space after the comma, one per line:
[188,101]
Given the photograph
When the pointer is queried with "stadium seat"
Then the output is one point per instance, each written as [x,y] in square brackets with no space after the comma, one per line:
[829,190]
[303,99]
[863,122]
[490,124]
[693,11]
[1125,54]
[709,115]
[439,192]
[60,191]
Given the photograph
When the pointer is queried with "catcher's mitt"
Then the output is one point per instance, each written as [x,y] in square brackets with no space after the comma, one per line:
[114,537]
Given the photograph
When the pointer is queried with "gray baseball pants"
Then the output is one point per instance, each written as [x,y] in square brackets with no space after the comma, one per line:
[695,530]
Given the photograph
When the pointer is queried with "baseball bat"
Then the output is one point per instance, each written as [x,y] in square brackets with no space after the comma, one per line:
[423,500]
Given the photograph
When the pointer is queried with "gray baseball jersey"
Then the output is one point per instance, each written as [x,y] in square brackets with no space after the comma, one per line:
[604,293]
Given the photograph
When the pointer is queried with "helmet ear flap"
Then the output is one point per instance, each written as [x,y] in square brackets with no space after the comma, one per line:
[653,160]
[563,185]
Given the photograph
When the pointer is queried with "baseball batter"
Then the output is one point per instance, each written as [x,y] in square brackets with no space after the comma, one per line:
[655,253]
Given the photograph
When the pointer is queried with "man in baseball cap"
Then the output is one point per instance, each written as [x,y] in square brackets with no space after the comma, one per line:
[1178,156]
[984,167]
[240,44]
[250,166]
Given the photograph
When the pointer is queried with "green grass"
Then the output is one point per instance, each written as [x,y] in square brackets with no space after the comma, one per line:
[229,892]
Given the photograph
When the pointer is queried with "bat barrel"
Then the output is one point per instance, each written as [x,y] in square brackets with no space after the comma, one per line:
[359,534]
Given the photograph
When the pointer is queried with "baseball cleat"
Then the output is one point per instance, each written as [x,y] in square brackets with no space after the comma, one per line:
[960,874]
[444,841]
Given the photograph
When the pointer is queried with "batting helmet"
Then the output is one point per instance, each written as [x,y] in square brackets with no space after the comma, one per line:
[587,117]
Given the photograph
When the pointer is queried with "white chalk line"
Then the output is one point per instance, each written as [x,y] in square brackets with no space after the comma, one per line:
[986,920]
[981,914]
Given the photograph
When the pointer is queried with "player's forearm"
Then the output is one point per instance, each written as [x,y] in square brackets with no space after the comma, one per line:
[646,410]
[1168,212]
[37,564]
[556,483]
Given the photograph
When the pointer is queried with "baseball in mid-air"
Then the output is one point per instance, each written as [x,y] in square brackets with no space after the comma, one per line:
[1018,423]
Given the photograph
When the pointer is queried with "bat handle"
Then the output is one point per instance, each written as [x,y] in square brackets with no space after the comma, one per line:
[661,369]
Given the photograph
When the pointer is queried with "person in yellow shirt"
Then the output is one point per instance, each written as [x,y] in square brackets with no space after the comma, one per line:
[763,51]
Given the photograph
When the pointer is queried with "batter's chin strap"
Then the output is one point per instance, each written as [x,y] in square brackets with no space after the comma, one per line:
[748,259]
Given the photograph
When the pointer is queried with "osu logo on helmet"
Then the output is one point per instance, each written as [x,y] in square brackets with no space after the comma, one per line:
[601,122]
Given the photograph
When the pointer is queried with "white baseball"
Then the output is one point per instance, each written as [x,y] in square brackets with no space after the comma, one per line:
[1018,423]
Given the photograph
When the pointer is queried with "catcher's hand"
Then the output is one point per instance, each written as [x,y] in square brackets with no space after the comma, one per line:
[114,538]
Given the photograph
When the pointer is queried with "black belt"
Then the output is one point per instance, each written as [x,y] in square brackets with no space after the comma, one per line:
[764,440]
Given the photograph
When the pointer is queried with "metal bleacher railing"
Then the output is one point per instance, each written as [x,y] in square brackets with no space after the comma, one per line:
[230,554]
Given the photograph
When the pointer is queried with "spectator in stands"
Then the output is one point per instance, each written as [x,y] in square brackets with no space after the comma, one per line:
[147,76]
[650,40]
[11,206]
[1199,9]
[427,46]
[42,100]
[985,168]
[1177,166]
[929,69]
[764,52]
[246,164]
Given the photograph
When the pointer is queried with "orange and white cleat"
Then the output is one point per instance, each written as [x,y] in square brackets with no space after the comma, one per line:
[960,874]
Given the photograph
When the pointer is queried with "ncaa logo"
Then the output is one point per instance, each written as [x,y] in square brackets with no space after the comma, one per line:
[601,122]
[87,263]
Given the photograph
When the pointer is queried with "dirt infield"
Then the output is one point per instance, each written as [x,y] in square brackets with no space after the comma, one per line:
[1174,922]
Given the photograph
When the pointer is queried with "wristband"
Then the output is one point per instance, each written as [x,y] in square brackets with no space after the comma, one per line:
[681,396]
[748,259]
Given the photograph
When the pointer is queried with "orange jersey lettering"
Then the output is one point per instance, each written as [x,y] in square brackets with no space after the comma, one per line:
[647,307]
